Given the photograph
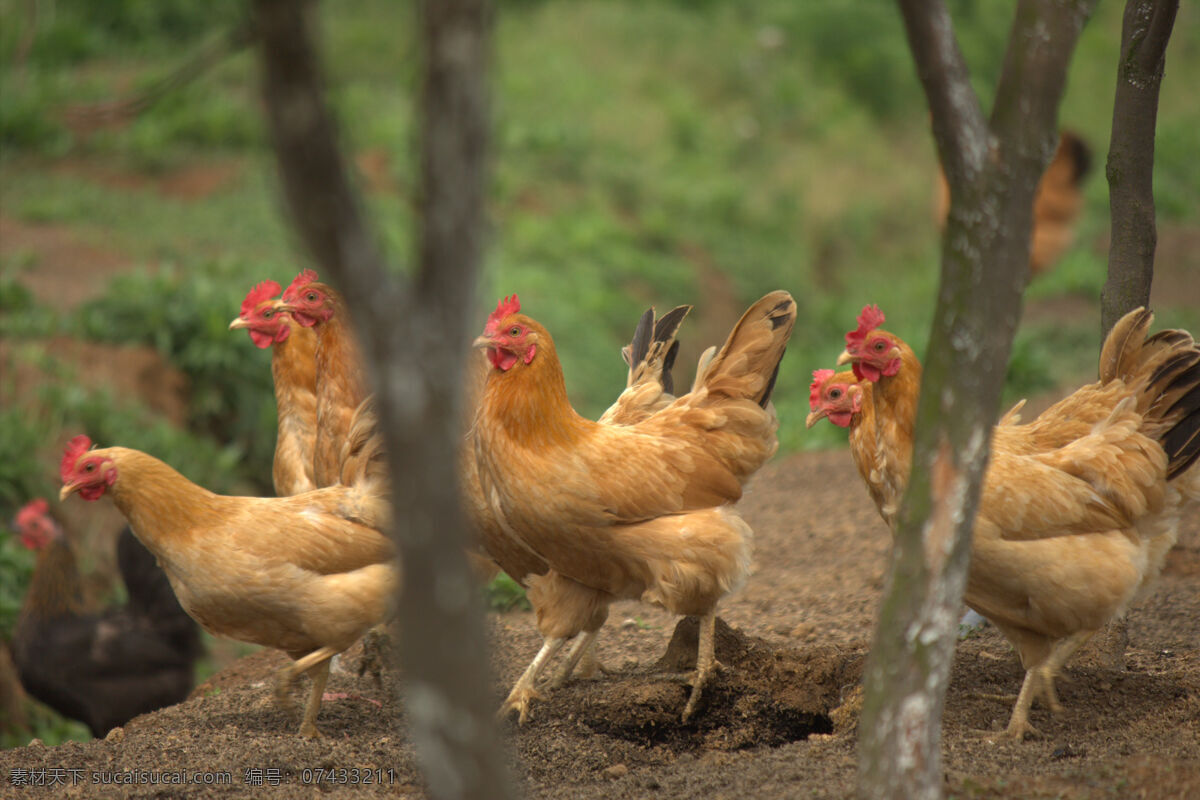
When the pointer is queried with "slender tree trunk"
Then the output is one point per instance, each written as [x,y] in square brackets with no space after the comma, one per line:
[993,168]
[414,337]
[1144,35]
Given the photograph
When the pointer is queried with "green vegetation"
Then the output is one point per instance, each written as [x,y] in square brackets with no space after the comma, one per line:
[505,594]
[644,153]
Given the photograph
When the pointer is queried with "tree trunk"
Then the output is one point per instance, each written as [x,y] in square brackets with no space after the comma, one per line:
[993,169]
[414,338]
[1144,35]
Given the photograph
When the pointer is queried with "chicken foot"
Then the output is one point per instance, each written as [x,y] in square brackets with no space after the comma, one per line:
[1059,656]
[706,662]
[316,664]
[1040,679]
[523,692]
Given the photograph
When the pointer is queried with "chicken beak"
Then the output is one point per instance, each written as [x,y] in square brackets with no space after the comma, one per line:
[482,342]
[67,490]
[238,324]
[813,418]
[845,358]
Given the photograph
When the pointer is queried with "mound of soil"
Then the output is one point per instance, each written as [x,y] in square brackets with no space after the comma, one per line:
[779,720]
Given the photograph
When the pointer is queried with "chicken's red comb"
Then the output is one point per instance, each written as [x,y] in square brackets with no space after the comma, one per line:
[75,448]
[870,319]
[814,389]
[264,291]
[506,306]
[31,511]
[303,279]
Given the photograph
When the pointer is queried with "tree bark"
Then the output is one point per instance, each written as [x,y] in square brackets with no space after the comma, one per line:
[993,169]
[1144,35]
[414,337]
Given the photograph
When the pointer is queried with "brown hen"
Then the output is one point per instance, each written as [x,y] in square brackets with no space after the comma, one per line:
[1079,507]
[294,370]
[307,574]
[636,511]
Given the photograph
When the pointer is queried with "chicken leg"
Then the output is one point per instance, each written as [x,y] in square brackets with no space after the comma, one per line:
[1059,656]
[706,662]
[582,655]
[316,664]
[523,692]
[1040,677]
[591,665]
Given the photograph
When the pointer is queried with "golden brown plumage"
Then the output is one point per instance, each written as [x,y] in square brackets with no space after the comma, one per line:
[294,370]
[629,511]
[1080,506]
[341,380]
[1057,202]
[846,402]
[650,357]
[893,371]
[306,574]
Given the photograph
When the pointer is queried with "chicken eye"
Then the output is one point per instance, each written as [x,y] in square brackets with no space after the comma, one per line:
[268,314]
[834,394]
[515,330]
[879,345]
[311,297]
[89,468]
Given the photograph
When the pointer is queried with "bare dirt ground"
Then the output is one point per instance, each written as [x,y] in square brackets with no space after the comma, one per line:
[780,722]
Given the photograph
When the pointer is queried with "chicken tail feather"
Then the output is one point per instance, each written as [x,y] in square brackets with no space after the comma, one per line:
[635,352]
[1079,153]
[748,363]
[665,330]
[1121,355]
[1165,371]
[650,356]
[652,352]
[364,465]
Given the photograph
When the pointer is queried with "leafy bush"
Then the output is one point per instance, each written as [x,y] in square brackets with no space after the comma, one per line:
[26,121]
[16,564]
[185,316]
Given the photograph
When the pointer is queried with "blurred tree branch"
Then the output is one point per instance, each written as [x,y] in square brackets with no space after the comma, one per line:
[1145,32]
[414,335]
[109,112]
[993,171]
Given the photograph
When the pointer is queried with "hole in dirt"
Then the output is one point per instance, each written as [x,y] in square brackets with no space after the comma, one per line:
[765,697]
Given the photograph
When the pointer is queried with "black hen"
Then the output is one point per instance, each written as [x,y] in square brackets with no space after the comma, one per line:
[102,669]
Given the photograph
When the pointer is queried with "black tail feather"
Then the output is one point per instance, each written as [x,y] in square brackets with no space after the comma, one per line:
[640,345]
[668,380]
[766,395]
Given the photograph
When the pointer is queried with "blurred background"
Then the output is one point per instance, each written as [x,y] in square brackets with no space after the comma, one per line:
[644,152]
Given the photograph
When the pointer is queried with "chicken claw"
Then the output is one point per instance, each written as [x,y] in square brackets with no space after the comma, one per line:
[1015,732]
[523,693]
[519,700]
